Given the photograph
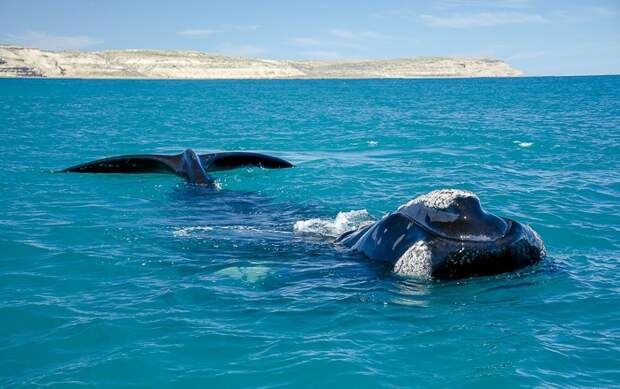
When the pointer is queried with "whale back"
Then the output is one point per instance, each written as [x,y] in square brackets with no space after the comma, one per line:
[454,214]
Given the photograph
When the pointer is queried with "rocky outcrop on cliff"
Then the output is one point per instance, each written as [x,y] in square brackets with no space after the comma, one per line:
[17,61]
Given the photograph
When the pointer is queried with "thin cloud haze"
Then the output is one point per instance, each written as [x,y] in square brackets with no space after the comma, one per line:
[356,35]
[197,32]
[44,40]
[241,27]
[483,19]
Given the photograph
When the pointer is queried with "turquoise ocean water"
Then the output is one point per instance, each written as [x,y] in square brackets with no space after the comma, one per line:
[144,280]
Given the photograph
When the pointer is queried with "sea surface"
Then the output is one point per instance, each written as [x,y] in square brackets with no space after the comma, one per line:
[144,280]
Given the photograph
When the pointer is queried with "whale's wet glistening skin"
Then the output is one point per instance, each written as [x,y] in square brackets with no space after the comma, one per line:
[446,234]
[189,165]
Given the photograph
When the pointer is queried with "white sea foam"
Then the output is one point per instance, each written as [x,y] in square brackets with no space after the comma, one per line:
[343,222]
[523,144]
[189,231]
[186,231]
[372,143]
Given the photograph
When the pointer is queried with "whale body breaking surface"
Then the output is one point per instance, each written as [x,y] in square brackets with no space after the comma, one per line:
[446,234]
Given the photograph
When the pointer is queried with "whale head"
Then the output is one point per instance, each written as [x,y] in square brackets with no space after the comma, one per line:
[446,234]
[454,214]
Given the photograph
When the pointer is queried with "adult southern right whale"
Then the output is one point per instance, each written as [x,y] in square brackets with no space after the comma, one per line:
[189,165]
[446,234]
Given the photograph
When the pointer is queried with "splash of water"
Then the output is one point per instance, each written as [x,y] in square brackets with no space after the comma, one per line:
[343,222]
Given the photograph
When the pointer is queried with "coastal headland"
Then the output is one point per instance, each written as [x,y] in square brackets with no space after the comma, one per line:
[18,61]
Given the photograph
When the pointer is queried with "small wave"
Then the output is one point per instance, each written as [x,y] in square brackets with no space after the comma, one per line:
[186,231]
[343,222]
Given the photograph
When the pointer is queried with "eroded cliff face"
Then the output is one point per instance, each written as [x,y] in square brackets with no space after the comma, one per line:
[17,61]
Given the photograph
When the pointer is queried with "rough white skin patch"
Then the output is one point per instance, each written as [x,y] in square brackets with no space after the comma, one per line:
[415,262]
[438,199]
[538,241]
[434,206]
[477,238]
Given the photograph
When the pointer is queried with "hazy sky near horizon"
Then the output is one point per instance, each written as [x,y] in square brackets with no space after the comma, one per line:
[536,36]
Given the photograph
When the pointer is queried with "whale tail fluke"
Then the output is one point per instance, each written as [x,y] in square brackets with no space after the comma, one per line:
[236,159]
[188,164]
[142,163]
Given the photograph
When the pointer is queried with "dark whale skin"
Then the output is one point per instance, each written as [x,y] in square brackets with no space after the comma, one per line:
[520,247]
[388,239]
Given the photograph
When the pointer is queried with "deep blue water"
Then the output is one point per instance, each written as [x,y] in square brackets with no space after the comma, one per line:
[145,280]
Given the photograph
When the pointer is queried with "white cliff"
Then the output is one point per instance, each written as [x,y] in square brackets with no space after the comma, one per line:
[17,61]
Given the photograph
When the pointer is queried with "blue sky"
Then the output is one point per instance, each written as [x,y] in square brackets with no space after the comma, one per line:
[538,37]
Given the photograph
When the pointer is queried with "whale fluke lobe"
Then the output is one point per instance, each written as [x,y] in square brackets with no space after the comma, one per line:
[236,159]
[143,163]
[189,165]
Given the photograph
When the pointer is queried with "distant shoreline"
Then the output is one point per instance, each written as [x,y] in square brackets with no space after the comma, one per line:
[271,79]
[24,62]
[304,79]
